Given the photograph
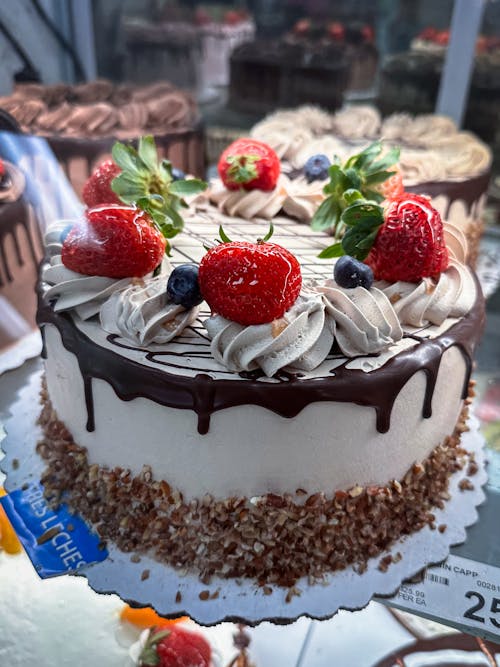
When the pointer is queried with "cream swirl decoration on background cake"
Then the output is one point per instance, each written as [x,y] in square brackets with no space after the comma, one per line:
[143,313]
[250,204]
[432,147]
[69,289]
[297,198]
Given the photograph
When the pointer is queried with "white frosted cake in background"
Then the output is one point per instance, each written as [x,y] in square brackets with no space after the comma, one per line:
[451,166]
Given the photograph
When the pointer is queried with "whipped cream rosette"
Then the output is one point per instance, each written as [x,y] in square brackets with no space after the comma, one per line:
[69,289]
[143,313]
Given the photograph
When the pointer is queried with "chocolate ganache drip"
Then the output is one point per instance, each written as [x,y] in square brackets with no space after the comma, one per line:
[16,214]
[287,397]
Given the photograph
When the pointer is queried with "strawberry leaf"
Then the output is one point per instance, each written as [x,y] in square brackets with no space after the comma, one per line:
[366,157]
[351,196]
[327,216]
[128,188]
[148,153]
[359,238]
[127,159]
[378,177]
[188,187]
[361,212]
[147,182]
[223,236]
[335,250]
[388,160]
[269,233]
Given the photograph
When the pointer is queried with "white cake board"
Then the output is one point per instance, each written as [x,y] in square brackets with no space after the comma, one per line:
[242,600]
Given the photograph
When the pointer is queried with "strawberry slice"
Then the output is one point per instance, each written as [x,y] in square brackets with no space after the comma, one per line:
[175,647]
[249,164]
[114,241]
[250,283]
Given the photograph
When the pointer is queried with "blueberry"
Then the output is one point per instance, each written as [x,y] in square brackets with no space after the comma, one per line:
[349,273]
[178,174]
[64,233]
[316,168]
[183,287]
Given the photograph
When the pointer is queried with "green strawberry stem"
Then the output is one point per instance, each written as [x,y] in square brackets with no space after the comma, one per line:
[361,222]
[242,168]
[352,182]
[149,655]
[148,182]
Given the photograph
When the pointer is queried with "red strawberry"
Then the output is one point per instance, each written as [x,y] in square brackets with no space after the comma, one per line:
[442,38]
[2,169]
[176,647]
[249,164]
[393,186]
[368,33]
[428,34]
[97,189]
[232,17]
[410,243]
[302,27]
[114,241]
[336,31]
[250,283]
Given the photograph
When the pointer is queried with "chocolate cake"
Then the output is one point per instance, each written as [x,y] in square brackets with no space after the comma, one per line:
[21,250]
[82,122]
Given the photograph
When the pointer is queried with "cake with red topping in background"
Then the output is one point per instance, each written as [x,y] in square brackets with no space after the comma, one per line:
[82,122]
[21,250]
[451,166]
[275,415]
[312,64]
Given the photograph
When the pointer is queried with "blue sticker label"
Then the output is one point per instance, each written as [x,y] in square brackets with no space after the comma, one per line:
[56,541]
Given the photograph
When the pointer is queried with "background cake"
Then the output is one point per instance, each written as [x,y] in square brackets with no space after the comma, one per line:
[265,484]
[21,250]
[450,166]
[82,122]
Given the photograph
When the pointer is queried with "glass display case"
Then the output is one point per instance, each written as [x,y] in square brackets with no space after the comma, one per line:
[197,76]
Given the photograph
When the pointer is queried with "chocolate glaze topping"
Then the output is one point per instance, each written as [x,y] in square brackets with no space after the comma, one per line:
[468,191]
[458,642]
[286,397]
[16,216]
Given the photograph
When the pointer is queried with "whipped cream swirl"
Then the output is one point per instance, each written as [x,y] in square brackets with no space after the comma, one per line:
[144,314]
[361,321]
[431,302]
[71,290]
[249,204]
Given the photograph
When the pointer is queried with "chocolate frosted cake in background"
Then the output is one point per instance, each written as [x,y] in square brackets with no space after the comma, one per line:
[311,64]
[82,122]
[20,253]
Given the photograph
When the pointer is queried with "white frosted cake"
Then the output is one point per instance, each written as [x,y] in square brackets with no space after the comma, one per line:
[289,425]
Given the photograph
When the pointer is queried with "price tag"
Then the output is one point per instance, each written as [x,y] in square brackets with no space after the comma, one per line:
[459,590]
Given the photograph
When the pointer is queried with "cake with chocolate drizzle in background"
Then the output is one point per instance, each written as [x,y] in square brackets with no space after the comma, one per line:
[436,159]
[295,415]
[82,122]
[21,251]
